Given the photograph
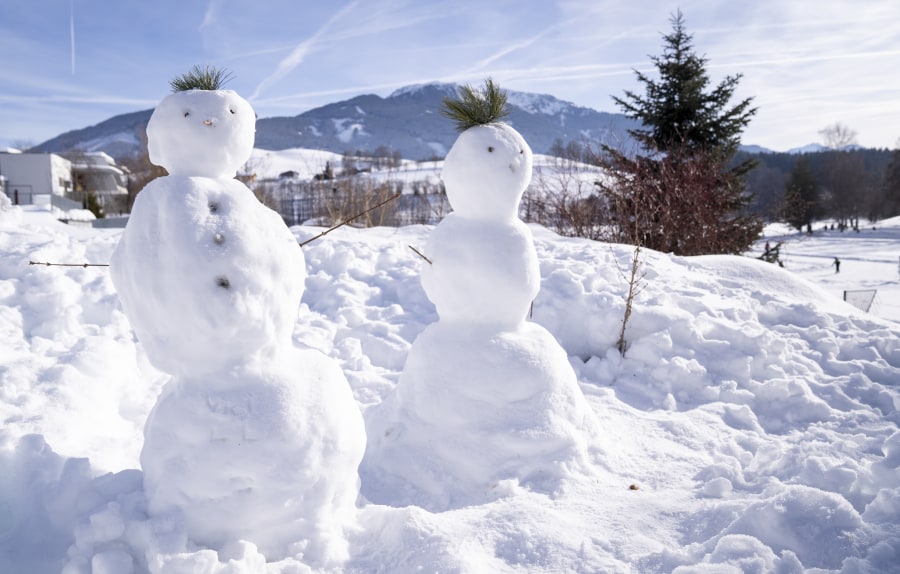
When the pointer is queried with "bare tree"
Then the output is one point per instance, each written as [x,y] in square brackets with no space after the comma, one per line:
[847,187]
[142,170]
[838,136]
[563,197]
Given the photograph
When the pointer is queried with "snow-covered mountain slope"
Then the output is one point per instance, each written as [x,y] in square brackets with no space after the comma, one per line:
[752,426]
[408,121]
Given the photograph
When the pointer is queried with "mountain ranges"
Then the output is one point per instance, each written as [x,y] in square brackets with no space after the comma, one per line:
[408,121]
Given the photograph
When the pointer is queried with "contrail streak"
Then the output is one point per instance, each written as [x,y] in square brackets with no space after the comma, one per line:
[72,32]
[299,53]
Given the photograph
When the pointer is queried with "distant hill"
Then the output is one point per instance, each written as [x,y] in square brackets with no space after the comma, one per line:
[120,136]
[407,121]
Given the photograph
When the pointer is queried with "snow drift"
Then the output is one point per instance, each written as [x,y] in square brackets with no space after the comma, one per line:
[752,425]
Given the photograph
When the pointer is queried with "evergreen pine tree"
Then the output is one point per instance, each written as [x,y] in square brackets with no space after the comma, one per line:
[800,195]
[684,124]
[677,110]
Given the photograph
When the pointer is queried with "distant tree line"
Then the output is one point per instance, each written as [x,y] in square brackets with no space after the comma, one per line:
[844,185]
[383,157]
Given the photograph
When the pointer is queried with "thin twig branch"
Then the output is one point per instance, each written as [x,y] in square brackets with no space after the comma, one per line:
[420,254]
[48,264]
[346,221]
[310,240]
[633,287]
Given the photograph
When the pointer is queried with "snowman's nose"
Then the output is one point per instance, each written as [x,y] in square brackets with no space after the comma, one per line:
[207,122]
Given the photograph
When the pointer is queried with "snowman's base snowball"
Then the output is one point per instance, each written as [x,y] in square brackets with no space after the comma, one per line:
[474,408]
[266,453]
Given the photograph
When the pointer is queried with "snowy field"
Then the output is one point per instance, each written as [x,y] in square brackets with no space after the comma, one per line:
[751,427]
[870,260]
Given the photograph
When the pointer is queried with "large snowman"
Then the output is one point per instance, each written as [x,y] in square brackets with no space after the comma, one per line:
[251,438]
[486,398]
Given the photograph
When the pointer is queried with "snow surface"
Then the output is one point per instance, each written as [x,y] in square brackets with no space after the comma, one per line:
[870,259]
[348,128]
[751,427]
[305,163]
[538,103]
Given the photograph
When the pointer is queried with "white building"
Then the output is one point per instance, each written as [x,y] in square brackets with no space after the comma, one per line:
[45,178]
[97,172]
[35,177]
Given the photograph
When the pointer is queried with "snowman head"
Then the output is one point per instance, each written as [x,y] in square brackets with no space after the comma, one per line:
[201,131]
[489,165]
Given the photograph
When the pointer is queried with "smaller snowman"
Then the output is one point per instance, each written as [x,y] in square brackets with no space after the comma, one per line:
[9,213]
[485,396]
[251,439]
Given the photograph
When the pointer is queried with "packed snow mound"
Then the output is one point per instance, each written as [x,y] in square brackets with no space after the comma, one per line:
[756,417]
[486,172]
[202,133]
[263,452]
[9,214]
[481,274]
[477,413]
[206,274]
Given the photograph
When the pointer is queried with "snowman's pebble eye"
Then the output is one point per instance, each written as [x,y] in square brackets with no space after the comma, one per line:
[186,114]
[521,151]
[213,207]
[491,149]
[231,110]
[223,282]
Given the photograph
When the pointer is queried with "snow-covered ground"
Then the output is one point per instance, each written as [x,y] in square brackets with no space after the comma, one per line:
[549,172]
[753,425]
[870,259]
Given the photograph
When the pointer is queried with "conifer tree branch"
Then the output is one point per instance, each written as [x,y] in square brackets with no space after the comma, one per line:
[201,78]
[476,107]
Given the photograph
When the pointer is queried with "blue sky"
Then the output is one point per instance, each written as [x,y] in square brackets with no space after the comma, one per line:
[68,64]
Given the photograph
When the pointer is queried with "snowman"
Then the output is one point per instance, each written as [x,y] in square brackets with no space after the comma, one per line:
[251,439]
[9,213]
[485,398]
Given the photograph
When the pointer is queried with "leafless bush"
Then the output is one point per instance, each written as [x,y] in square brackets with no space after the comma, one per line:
[348,197]
[563,197]
[634,277]
[685,202]
[427,204]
